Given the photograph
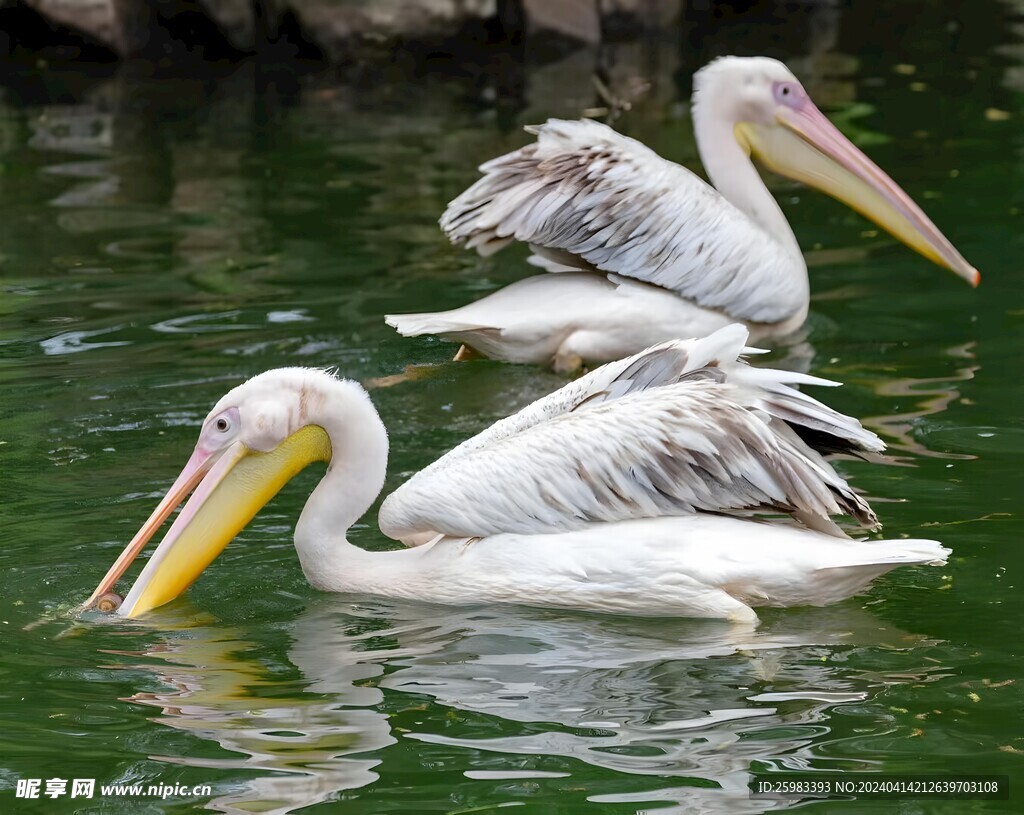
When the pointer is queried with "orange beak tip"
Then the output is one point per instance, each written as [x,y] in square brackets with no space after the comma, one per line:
[976,279]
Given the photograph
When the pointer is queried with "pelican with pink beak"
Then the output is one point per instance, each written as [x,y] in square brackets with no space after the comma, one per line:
[646,250]
[628,491]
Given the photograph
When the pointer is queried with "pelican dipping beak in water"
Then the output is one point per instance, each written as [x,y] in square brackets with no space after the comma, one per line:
[627,491]
[649,251]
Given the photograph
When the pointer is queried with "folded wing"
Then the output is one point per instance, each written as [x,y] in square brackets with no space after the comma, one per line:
[682,427]
[586,197]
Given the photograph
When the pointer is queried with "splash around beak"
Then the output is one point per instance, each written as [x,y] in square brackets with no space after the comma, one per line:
[804,145]
[231,485]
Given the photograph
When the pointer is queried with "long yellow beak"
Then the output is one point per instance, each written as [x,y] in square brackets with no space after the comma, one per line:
[231,486]
[804,145]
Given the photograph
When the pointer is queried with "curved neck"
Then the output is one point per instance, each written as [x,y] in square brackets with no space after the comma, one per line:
[733,173]
[354,478]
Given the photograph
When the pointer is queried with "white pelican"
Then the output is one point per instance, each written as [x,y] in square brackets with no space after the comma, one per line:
[611,494]
[650,252]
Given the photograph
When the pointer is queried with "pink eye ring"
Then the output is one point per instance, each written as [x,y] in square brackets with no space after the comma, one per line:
[226,422]
[788,93]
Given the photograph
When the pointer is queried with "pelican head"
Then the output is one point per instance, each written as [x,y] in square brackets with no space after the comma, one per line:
[256,438]
[774,120]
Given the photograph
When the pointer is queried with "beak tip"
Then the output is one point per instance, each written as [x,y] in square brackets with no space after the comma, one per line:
[974,277]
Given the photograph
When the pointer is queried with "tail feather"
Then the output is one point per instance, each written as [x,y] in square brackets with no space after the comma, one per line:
[416,325]
[856,569]
[893,553]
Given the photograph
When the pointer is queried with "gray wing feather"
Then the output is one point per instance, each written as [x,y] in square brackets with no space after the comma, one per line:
[674,450]
[680,428]
[659,365]
[586,197]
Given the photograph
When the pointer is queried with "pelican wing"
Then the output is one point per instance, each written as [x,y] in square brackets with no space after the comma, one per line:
[677,429]
[659,365]
[586,197]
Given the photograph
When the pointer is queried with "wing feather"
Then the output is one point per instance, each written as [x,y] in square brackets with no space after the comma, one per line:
[600,200]
[673,450]
[682,427]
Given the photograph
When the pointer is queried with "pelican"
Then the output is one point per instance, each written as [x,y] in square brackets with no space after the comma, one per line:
[647,250]
[626,491]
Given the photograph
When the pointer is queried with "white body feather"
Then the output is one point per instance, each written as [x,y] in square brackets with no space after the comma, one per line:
[696,566]
[564,320]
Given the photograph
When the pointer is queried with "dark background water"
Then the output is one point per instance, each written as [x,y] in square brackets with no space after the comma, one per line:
[163,239]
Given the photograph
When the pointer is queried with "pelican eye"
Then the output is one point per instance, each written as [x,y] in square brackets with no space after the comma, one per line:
[788,93]
[224,425]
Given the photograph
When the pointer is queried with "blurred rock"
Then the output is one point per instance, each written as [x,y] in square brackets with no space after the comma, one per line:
[336,28]
[235,20]
[579,19]
[98,18]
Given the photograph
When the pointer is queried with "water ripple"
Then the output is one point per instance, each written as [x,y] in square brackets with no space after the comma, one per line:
[74,342]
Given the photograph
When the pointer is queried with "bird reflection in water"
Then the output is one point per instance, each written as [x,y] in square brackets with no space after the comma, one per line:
[296,749]
[687,702]
[934,395]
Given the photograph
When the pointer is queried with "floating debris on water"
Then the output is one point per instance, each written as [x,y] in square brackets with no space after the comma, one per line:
[109,602]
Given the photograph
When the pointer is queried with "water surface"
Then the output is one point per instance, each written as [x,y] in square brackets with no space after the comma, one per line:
[162,240]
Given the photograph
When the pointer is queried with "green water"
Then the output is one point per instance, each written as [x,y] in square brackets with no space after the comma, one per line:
[162,240]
